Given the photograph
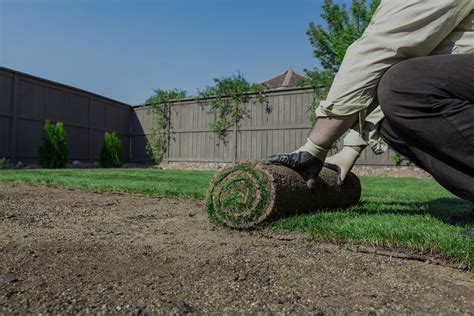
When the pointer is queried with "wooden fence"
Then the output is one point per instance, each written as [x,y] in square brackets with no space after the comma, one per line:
[279,125]
[27,101]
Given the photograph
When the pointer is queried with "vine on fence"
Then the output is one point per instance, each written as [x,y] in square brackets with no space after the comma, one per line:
[227,101]
[158,139]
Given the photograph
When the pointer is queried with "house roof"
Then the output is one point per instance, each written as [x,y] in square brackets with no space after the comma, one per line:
[289,78]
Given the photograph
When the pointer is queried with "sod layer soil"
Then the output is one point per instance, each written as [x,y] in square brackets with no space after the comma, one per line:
[67,251]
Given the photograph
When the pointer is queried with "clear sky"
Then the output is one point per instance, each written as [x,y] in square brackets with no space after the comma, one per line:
[125,49]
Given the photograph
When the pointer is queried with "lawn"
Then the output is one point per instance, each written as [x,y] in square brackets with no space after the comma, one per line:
[408,212]
[166,183]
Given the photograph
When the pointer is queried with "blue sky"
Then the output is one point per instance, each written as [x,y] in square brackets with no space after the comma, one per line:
[125,49]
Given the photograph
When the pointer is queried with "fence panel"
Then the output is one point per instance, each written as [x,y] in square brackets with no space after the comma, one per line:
[278,125]
[6,104]
[26,102]
[281,124]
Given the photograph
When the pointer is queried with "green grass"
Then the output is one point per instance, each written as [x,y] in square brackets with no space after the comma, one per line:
[414,213]
[407,212]
[167,183]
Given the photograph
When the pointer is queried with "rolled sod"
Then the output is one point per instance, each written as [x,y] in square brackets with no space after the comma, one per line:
[251,192]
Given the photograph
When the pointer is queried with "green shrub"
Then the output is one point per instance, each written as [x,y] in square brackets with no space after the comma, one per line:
[53,152]
[4,163]
[111,153]
[400,160]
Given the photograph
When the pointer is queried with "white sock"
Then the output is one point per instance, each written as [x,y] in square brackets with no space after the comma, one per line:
[313,149]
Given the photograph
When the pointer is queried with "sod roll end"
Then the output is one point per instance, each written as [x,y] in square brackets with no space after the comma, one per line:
[251,192]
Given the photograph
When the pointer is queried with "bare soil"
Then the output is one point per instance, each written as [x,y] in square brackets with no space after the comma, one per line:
[69,251]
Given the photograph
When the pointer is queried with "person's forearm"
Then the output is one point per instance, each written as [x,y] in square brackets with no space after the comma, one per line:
[328,129]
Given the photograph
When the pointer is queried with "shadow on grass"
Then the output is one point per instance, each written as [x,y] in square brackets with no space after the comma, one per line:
[451,211]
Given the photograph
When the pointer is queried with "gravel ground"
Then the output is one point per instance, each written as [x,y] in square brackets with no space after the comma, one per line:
[72,251]
[401,171]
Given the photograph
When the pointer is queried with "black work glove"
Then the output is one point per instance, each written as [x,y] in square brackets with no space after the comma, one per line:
[302,162]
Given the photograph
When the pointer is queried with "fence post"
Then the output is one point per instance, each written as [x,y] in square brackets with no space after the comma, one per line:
[14,120]
[130,133]
[168,132]
[236,152]
[90,129]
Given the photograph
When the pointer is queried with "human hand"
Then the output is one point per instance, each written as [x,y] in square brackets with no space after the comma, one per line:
[342,162]
[302,162]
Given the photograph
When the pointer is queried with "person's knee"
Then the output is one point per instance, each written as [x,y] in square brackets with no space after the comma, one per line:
[391,86]
[413,85]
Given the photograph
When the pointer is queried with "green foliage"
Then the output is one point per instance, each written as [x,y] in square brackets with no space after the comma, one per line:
[111,153]
[400,160]
[228,100]
[157,141]
[343,28]
[53,152]
[330,42]
[4,163]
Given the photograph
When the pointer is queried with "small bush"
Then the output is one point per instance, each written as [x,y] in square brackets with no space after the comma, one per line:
[111,153]
[53,152]
[400,160]
[4,163]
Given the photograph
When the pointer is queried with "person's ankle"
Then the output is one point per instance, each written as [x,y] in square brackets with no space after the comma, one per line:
[315,150]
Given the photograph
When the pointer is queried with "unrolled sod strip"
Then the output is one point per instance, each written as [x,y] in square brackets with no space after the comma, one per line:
[245,195]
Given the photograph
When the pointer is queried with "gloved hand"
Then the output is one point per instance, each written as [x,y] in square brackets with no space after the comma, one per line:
[307,160]
[342,162]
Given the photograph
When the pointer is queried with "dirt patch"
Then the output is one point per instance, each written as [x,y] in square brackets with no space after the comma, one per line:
[69,251]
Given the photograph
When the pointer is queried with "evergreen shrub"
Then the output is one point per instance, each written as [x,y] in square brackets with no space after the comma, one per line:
[53,151]
[111,153]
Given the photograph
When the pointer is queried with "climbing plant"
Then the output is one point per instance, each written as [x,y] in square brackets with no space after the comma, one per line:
[228,101]
[158,139]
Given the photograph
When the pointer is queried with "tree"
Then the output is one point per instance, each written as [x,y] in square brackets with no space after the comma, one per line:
[158,139]
[330,42]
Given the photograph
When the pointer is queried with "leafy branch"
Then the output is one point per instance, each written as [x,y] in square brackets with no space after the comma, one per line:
[158,139]
[228,100]
[400,160]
